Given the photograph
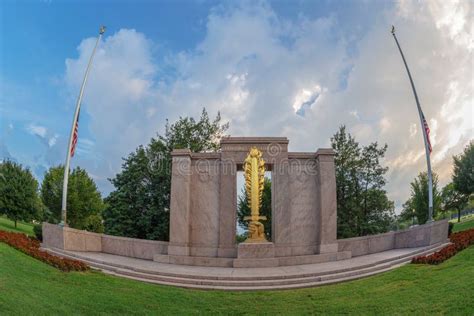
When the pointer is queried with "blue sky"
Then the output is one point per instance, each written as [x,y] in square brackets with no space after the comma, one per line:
[301,67]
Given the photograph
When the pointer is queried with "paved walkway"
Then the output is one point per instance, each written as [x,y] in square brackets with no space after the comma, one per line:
[244,279]
[256,273]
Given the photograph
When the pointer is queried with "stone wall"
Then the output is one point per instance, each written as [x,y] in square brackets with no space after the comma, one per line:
[67,238]
[132,247]
[53,236]
[70,239]
[419,236]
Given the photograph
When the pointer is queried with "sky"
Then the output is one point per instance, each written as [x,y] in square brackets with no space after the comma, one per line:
[298,69]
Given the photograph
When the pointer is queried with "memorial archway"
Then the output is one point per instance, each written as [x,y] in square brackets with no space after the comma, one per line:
[204,199]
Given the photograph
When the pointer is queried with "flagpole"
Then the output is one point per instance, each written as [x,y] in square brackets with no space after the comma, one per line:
[425,137]
[76,114]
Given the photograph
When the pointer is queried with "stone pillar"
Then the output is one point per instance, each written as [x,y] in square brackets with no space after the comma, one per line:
[281,217]
[227,204]
[180,204]
[327,202]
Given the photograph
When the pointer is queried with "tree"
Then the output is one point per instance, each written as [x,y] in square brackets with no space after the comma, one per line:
[18,193]
[418,200]
[463,174]
[139,206]
[84,203]
[243,208]
[362,204]
[347,162]
[451,199]
[377,211]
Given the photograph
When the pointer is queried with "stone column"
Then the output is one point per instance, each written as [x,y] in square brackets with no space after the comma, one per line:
[327,203]
[227,207]
[180,204]
[281,217]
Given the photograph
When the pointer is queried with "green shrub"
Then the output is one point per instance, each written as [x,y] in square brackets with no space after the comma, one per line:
[241,238]
[450,228]
[94,224]
[38,230]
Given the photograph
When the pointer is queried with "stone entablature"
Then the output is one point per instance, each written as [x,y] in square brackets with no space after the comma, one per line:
[204,199]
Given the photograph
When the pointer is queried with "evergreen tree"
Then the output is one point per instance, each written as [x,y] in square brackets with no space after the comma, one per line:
[362,204]
[84,203]
[463,174]
[18,193]
[139,206]
[418,200]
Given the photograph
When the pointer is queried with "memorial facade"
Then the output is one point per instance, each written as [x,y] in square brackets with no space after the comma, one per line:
[204,201]
[203,213]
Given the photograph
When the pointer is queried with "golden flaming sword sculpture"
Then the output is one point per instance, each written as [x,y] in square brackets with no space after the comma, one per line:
[254,173]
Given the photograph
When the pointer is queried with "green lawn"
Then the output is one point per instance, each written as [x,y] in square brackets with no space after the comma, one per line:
[8,225]
[30,287]
[463,225]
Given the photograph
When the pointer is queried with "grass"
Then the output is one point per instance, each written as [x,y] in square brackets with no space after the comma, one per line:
[8,225]
[463,218]
[30,287]
[468,224]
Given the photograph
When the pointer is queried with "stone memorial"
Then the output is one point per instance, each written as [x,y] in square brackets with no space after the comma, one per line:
[203,213]
[204,203]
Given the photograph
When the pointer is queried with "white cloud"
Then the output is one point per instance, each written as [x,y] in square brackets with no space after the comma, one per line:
[305,99]
[385,124]
[119,96]
[355,114]
[261,70]
[413,130]
[37,130]
[52,140]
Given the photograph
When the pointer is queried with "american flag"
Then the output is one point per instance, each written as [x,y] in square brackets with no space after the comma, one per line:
[75,135]
[427,131]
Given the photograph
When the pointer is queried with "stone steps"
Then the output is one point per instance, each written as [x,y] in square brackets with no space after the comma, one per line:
[257,287]
[241,283]
[251,262]
[272,277]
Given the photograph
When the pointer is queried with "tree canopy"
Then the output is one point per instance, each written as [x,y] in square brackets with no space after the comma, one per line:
[451,199]
[463,174]
[418,200]
[18,193]
[363,207]
[84,203]
[139,205]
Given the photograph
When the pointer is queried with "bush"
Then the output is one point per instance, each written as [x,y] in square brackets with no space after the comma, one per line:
[460,241]
[30,246]
[94,224]
[241,238]
[38,230]
[450,228]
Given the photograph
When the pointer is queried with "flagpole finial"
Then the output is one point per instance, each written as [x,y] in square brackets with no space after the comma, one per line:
[102,30]
[393,29]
